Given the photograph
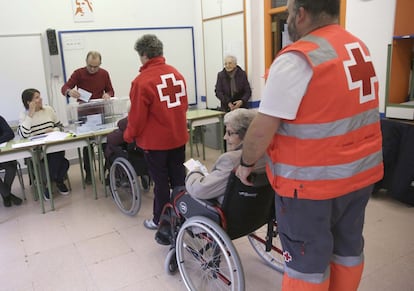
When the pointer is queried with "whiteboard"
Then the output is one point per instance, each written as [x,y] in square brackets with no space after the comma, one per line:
[22,67]
[121,60]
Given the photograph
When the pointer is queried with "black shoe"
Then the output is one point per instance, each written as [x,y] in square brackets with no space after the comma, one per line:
[46,194]
[145,182]
[162,239]
[7,201]
[16,200]
[88,179]
[62,188]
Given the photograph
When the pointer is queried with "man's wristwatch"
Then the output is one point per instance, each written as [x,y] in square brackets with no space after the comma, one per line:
[242,163]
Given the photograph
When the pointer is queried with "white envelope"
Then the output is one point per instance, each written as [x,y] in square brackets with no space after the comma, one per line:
[84,95]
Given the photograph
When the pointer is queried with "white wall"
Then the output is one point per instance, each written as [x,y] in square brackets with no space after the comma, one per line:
[372,21]
[28,16]
[255,47]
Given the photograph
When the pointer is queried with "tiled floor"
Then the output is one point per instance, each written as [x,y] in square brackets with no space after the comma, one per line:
[89,244]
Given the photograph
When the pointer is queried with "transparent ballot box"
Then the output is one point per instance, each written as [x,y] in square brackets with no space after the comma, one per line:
[96,114]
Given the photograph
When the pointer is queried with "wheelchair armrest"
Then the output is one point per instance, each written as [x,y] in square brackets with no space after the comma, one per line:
[189,206]
[208,202]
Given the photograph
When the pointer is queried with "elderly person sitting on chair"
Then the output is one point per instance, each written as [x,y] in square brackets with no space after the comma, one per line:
[213,185]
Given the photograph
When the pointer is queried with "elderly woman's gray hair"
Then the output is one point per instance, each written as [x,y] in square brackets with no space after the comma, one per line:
[232,58]
[239,119]
[149,45]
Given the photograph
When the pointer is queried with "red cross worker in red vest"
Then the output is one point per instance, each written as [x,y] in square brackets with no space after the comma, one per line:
[157,121]
[318,122]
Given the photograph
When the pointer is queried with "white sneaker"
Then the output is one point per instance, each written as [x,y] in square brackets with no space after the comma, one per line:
[150,224]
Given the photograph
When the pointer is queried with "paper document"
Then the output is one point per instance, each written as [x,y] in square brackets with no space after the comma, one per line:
[38,137]
[84,95]
[94,119]
[49,136]
[28,143]
[192,164]
[56,135]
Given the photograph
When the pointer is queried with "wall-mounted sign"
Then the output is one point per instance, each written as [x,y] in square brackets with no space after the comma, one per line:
[82,10]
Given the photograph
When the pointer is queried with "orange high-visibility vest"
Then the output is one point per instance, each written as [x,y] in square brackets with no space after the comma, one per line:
[334,145]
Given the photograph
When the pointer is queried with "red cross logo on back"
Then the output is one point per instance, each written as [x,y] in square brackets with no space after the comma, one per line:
[171,90]
[360,72]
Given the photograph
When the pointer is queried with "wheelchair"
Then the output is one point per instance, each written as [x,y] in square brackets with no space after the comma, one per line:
[200,234]
[125,167]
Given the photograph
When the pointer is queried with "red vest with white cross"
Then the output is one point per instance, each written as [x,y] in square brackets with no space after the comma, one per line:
[334,145]
[157,118]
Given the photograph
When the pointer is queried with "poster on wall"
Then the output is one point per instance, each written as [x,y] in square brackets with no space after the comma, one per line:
[82,10]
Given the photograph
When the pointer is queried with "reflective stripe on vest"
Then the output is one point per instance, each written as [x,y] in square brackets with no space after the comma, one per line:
[334,172]
[324,52]
[324,130]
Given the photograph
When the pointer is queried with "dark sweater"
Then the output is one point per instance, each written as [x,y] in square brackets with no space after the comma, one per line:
[223,91]
[6,133]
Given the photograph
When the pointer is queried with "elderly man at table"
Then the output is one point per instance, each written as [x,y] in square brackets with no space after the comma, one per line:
[95,80]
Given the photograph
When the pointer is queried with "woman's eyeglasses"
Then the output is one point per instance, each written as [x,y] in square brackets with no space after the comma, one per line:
[230,133]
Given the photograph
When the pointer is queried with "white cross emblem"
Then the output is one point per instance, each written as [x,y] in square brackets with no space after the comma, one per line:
[174,89]
[360,72]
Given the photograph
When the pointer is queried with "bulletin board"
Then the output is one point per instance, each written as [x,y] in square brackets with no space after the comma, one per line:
[22,67]
[121,60]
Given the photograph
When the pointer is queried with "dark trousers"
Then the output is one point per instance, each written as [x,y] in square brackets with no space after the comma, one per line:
[86,161]
[167,171]
[11,169]
[312,231]
[58,166]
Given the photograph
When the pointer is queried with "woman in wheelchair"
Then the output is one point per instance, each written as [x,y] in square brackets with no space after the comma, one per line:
[201,220]
[213,185]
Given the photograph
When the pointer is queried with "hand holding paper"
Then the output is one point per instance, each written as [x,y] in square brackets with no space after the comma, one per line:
[193,165]
[84,95]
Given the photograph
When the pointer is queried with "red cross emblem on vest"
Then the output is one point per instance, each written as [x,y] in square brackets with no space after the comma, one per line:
[287,256]
[360,72]
[171,90]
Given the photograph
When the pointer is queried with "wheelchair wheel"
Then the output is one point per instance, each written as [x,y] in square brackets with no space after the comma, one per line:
[125,186]
[170,264]
[273,257]
[207,258]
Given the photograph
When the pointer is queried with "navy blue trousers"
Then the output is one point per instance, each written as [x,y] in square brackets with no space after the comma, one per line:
[167,170]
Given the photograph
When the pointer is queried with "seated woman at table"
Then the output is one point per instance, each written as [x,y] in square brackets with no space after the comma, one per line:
[10,167]
[39,119]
